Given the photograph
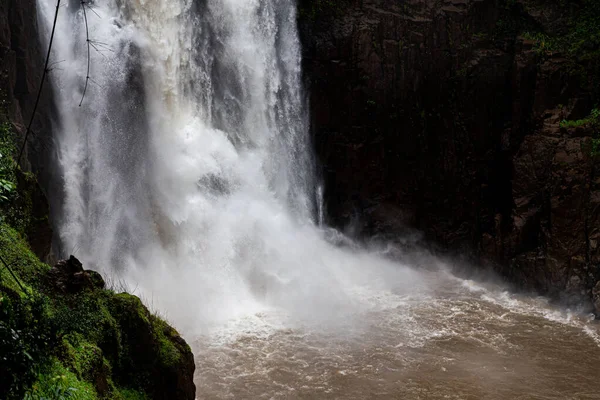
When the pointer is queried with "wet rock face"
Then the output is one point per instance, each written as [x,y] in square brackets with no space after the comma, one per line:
[596,296]
[21,67]
[409,101]
[437,115]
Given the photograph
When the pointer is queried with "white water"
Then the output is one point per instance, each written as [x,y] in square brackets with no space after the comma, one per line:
[188,171]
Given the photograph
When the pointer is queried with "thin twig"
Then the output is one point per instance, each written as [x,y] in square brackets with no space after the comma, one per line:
[98,50]
[13,275]
[96,83]
[87,34]
[99,42]
[92,10]
[39,94]
[57,62]
[101,46]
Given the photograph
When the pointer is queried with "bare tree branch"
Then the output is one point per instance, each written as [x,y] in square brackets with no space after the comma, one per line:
[87,34]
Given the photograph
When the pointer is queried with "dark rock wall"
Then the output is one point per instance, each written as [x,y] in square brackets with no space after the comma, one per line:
[21,67]
[438,115]
[19,58]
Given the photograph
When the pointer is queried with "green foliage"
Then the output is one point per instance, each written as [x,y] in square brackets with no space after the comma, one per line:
[584,36]
[16,187]
[6,189]
[543,44]
[89,345]
[579,41]
[15,251]
[592,120]
[7,175]
[85,314]
[595,147]
[58,383]
[130,394]
[26,340]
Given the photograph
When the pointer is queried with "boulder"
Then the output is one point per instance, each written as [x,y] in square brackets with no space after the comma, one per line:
[68,276]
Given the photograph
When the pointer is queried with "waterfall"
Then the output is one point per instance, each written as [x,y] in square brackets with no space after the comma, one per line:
[187,175]
[188,172]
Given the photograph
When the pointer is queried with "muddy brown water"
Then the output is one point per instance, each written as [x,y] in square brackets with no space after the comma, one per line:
[461,340]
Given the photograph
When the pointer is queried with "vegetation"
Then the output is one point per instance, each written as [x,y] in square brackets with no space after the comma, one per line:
[7,179]
[578,40]
[593,122]
[84,345]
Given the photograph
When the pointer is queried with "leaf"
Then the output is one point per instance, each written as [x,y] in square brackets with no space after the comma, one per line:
[28,355]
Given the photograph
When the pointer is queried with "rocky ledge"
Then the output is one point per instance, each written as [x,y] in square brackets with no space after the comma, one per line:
[62,331]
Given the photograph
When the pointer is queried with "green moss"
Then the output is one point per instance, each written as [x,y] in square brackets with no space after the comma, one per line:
[168,352]
[17,254]
[93,344]
[130,394]
[129,304]
[7,178]
[109,345]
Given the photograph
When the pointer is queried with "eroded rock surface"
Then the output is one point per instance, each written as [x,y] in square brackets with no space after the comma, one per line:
[441,115]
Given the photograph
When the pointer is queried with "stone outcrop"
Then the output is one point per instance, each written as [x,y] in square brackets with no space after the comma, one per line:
[129,346]
[68,276]
[151,355]
[440,115]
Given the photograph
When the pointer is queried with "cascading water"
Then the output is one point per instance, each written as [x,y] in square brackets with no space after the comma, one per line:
[188,173]
[188,168]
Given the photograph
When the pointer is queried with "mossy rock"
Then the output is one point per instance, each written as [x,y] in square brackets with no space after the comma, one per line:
[101,344]
[155,358]
[62,334]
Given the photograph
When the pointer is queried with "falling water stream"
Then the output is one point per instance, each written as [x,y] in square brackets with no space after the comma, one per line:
[188,174]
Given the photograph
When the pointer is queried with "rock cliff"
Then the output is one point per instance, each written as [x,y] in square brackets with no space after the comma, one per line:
[21,67]
[469,120]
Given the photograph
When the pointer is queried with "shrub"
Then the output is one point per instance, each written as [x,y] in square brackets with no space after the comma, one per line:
[26,340]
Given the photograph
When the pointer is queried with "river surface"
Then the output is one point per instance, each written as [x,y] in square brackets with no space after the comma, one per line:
[183,155]
[459,340]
